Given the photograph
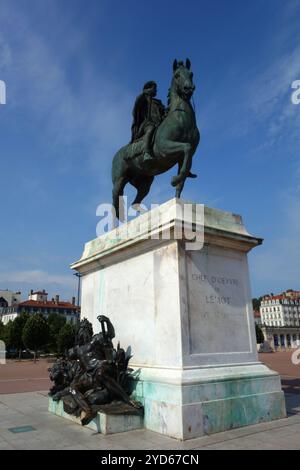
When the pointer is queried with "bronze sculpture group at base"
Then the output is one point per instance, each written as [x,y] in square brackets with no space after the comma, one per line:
[94,376]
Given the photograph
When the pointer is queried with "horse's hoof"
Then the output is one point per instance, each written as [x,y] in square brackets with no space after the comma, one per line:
[192,175]
[138,208]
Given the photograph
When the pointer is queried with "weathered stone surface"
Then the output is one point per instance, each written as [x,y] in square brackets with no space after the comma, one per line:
[187,315]
[103,423]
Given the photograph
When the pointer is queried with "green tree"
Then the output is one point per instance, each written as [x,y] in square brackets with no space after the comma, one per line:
[2,330]
[259,334]
[3,333]
[66,338]
[56,322]
[256,303]
[35,333]
[6,334]
[17,331]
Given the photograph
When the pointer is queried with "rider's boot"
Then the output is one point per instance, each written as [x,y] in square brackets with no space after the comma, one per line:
[147,156]
[147,143]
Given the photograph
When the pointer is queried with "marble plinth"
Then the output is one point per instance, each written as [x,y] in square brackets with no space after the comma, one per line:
[187,316]
[103,423]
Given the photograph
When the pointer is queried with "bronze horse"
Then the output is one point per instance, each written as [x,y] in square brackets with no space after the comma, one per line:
[175,142]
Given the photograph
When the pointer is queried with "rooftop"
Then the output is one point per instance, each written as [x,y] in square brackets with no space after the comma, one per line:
[48,304]
[39,292]
[287,295]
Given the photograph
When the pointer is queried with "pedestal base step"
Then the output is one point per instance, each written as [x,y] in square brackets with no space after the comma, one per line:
[207,401]
[103,423]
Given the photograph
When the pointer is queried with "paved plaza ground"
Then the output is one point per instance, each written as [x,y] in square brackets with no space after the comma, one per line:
[282,363]
[23,405]
[24,376]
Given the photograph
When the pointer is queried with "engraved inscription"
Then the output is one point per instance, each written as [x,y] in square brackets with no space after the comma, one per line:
[217,282]
[225,281]
[213,299]
[217,303]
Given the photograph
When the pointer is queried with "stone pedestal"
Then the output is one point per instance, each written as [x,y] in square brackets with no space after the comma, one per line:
[103,423]
[187,315]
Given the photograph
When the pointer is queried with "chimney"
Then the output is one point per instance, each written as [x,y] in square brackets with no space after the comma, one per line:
[73,300]
[57,299]
[31,291]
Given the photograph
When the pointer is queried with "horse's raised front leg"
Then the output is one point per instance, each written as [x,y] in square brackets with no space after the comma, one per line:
[180,185]
[179,189]
[185,166]
[167,148]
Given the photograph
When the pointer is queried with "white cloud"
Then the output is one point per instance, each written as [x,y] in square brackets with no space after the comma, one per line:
[93,111]
[277,262]
[25,280]
[5,54]
[270,98]
[36,276]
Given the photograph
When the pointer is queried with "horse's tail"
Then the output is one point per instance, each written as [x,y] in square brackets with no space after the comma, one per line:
[125,160]
[117,164]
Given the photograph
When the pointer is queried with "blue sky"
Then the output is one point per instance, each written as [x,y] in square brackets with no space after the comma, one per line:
[73,69]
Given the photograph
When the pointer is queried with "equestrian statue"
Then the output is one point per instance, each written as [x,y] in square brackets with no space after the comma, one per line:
[161,138]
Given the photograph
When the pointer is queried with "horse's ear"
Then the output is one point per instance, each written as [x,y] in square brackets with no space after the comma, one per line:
[188,64]
[175,65]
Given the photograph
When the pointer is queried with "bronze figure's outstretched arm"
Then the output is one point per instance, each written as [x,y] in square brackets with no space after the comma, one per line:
[109,332]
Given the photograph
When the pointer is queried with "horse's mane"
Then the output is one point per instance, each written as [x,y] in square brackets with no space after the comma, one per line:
[170,94]
[170,91]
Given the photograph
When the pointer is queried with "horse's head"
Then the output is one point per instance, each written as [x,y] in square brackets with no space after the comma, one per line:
[182,82]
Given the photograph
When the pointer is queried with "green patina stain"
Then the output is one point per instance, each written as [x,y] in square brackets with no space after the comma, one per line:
[203,392]
[221,415]
[19,429]
[225,405]
[115,240]
[163,392]
[101,290]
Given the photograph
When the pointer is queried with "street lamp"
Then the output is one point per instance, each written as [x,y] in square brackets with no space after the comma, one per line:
[79,276]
